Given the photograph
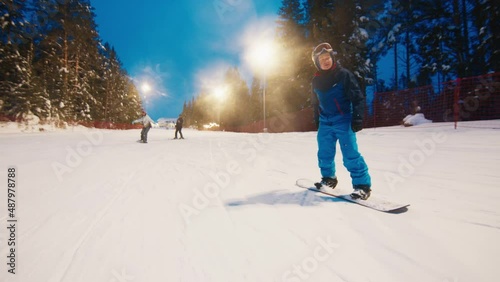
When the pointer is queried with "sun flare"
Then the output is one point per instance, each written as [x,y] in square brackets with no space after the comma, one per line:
[145,87]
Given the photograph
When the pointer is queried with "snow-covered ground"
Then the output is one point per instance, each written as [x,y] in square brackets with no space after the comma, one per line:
[95,205]
[416,119]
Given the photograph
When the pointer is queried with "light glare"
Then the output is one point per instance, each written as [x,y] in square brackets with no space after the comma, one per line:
[145,87]
[261,55]
[220,93]
[260,50]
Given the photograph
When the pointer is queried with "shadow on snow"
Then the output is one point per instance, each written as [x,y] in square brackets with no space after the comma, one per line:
[303,198]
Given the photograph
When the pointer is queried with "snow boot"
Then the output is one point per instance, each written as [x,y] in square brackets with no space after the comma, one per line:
[327,181]
[361,192]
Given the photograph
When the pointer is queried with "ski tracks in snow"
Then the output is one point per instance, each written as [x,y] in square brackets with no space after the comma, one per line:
[121,185]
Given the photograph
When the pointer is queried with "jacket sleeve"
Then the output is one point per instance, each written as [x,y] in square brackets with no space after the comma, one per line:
[148,118]
[355,95]
[315,106]
[137,120]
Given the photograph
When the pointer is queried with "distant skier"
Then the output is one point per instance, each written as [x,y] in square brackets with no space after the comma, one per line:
[338,110]
[178,126]
[147,123]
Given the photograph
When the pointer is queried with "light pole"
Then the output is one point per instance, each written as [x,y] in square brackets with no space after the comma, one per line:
[264,103]
[262,56]
[220,94]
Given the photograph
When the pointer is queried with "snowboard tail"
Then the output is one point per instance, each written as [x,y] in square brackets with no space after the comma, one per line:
[372,202]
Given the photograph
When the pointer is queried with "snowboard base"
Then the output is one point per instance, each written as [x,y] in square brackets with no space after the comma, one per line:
[373,202]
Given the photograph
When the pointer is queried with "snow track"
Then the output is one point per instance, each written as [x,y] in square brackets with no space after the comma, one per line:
[94,205]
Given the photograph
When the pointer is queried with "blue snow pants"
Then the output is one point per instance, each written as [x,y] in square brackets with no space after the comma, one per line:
[328,135]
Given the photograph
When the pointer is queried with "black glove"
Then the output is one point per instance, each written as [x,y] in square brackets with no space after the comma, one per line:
[357,125]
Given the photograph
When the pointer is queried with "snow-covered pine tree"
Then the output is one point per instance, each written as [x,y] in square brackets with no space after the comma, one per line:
[114,87]
[485,32]
[255,104]
[72,71]
[84,60]
[15,73]
[437,39]
[292,82]
[52,62]
[378,23]
[235,110]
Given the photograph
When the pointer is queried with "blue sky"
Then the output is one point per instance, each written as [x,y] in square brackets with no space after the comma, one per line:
[179,47]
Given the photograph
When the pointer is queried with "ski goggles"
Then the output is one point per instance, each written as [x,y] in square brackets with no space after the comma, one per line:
[321,49]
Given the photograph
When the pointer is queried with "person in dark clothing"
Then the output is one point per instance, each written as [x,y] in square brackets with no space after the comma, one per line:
[178,126]
[338,104]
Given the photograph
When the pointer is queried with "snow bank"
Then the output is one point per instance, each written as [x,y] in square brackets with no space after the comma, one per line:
[33,126]
[415,119]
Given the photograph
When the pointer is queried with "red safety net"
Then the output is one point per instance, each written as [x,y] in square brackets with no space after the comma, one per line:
[463,99]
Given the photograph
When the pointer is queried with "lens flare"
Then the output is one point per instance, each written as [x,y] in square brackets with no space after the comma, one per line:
[220,92]
[145,87]
[261,53]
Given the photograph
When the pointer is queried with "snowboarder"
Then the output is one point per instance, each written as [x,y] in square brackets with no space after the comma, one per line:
[178,126]
[147,123]
[338,104]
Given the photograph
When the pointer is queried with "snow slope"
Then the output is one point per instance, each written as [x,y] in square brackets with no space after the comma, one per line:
[94,205]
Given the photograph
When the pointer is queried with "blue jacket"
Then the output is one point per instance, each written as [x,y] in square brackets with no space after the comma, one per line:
[337,96]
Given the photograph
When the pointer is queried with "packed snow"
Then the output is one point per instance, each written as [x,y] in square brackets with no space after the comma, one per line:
[95,205]
[416,119]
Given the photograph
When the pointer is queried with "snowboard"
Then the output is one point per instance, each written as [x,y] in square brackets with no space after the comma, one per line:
[372,202]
